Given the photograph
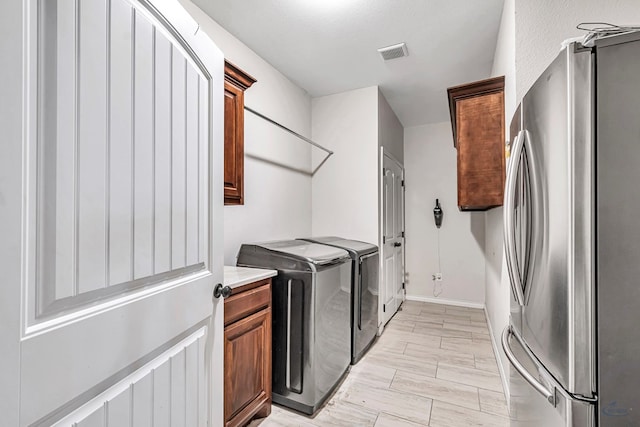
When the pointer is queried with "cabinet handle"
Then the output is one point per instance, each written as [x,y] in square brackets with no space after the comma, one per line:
[221,291]
[397,244]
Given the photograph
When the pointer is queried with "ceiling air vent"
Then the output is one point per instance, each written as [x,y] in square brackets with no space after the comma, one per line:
[393,52]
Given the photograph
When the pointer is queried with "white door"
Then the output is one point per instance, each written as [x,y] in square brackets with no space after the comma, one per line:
[110,215]
[392,236]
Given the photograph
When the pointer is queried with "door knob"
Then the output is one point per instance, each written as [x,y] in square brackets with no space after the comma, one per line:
[221,291]
[396,244]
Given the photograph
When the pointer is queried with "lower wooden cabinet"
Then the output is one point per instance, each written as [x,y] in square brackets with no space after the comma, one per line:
[247,353]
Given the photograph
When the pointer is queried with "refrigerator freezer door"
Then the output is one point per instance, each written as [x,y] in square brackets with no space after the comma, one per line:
[557,313]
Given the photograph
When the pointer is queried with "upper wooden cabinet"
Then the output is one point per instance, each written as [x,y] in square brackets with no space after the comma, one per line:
[236,82]
[477,120]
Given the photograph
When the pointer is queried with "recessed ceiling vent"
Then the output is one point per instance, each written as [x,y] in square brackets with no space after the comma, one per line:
[393,52]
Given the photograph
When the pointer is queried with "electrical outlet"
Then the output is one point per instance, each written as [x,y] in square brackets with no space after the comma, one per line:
[437,277]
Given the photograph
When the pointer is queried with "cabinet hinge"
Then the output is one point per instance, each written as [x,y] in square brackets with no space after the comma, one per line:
[402,183]
[384,308]
[403,234]
[384,240]
[402,285]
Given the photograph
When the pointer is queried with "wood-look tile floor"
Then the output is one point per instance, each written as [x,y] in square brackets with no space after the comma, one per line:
[432,366]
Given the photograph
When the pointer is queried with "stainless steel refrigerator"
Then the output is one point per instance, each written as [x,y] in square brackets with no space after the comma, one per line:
[572,241]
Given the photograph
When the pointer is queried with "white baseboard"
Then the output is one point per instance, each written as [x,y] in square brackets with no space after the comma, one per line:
[458,303]
[497,351]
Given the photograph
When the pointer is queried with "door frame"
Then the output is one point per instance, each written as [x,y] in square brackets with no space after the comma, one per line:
[381,220]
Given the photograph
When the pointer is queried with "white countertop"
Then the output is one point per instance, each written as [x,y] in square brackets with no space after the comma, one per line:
[238,276]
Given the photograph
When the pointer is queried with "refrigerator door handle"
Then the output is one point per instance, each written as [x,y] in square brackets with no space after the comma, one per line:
[509,213]
[550,395]
[536,202]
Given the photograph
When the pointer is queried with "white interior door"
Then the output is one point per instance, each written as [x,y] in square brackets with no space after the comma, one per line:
[392,236]
[110,215]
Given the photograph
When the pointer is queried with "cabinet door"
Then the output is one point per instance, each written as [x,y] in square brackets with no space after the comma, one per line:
[247,359]
[480,122]
[477,121]
[236,82]
[233,144]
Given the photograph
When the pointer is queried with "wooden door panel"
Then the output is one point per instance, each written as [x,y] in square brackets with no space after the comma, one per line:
[398,217]
[120,238]
[247,381]
[389,267]
[91,143]
[163,392]
[388,208]
[399,270]
[115,212]
[83,354]
[397,212]
[121,127]
[233,100]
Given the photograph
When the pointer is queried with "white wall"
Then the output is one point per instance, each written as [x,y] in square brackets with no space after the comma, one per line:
[497,292]
[345,187]
[430,173]
[390,130]
[277,180]
[542,25]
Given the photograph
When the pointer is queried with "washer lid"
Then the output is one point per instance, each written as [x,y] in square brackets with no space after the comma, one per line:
[311,252]
[361,248]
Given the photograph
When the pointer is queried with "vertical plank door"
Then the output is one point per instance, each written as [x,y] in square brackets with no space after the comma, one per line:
[111,215]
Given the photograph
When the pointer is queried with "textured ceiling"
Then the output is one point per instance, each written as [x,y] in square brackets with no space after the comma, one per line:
[330,46]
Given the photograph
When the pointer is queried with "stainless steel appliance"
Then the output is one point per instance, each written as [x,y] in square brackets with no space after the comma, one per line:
[364,291]
[572,240]
[310,318]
